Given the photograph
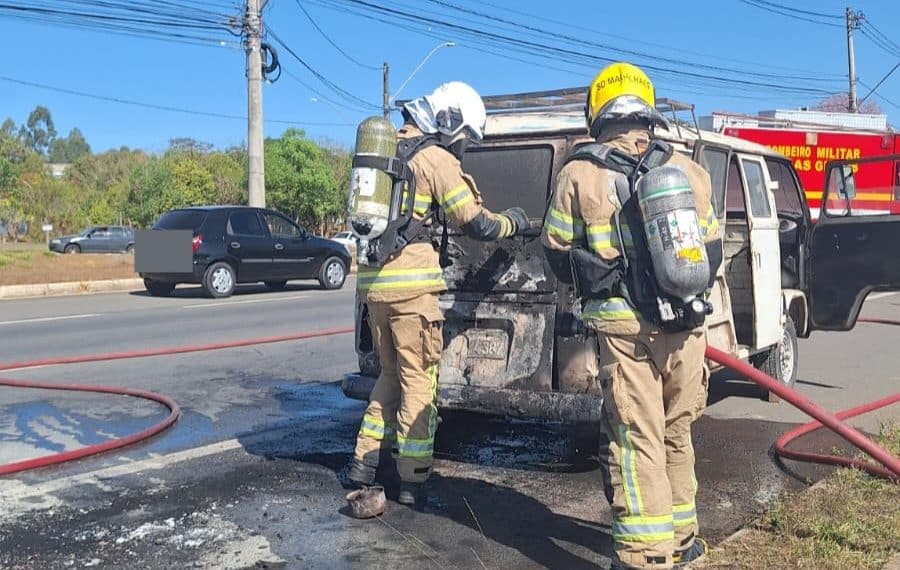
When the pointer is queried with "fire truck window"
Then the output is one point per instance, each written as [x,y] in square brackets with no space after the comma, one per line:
[715,161]
[787,195]
[756,186]
[734,191]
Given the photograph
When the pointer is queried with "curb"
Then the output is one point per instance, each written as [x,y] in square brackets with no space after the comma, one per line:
[81,287]
[69,288]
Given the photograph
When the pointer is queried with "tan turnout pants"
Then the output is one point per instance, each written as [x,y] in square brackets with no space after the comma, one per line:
[402,412]
[654,387]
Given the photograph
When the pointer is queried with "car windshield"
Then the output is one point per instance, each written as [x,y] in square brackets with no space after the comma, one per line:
[181,220]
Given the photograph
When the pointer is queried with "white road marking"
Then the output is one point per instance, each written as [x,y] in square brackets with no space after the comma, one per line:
[876,296]
[244,301]
[20,496]
[48,319]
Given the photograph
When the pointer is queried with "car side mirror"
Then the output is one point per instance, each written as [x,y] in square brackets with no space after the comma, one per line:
[841,179]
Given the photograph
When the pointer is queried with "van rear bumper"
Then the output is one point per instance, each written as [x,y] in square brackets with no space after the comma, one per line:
[555,406]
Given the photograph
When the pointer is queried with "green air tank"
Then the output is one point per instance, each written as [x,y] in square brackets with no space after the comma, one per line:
[369,203]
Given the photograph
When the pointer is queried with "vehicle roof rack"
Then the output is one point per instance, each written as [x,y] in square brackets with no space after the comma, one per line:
[571,99]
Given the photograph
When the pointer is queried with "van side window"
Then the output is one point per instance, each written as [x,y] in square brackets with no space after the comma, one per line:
[508,176]
[734,190]
[714,160]
[756,186]
[787,195]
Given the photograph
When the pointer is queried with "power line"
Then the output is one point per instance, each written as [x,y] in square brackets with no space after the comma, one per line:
[879,39]
[334,45]
[883,79]
[159,107]
[580,41]
[644,41]
[880,96]
[798,10]
[554,53]
[790,12]
[330,84]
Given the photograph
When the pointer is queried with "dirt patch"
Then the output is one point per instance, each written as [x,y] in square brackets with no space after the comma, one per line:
[850,521]
[23,266]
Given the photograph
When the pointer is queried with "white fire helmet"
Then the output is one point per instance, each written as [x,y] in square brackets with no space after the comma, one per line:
[452,109]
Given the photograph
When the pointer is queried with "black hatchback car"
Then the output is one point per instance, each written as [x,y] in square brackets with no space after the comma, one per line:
[243,244]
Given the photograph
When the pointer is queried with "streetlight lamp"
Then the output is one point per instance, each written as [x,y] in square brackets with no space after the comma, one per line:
[387,99]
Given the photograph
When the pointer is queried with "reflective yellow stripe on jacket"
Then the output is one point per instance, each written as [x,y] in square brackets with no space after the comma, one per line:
[455,198]
[563,226]
[376,279]
[421,205]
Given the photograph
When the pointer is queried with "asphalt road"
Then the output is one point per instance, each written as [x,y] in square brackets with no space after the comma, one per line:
[253,472]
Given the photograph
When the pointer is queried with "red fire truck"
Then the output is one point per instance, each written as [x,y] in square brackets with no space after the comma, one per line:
[811,148]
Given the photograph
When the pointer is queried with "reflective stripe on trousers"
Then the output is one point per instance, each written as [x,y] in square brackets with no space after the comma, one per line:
[612,309]
[376,428]
[374,279]
[411,447]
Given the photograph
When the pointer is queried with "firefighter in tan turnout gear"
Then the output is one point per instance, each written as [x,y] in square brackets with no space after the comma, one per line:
[401,291]
[644,302]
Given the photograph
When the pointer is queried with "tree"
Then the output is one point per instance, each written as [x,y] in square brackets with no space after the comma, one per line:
[189,146]
[840,103]
[70,148]
[299,180]
[38,132]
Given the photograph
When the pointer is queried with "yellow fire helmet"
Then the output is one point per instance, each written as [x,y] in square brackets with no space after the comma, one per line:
[621,91]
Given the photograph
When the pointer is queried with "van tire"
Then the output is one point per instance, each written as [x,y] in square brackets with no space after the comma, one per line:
[781,361]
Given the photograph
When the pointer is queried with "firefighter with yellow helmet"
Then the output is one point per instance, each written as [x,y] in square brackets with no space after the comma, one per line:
[400,183]
[631,226]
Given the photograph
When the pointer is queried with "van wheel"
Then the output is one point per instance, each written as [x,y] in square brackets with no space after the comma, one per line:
[332,273]
[158,288]
[781,361]
[219,280]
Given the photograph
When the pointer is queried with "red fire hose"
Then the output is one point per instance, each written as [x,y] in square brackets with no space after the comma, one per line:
[174,410]
[834,422]
[891,464]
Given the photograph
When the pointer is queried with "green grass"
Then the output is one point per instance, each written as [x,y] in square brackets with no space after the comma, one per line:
[850,522]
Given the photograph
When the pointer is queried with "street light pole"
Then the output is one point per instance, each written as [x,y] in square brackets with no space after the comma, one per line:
[418,67]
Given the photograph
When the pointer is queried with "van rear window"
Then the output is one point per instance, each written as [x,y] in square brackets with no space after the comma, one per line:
[510,176]
[181,220]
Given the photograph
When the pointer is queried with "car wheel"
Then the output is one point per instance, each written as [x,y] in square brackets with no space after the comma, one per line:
[219,280]
[72,248]
[332,273]
[129,249]
[781,361]
[276,285]
[158,288]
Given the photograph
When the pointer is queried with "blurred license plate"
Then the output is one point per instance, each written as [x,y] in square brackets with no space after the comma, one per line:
[163,251]
[487,343]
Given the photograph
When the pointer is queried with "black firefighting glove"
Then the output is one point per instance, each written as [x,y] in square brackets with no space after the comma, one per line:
[519,219]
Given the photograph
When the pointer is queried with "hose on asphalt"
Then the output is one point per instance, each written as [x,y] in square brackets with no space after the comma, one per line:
[117,443]
[890,469]
[834,422]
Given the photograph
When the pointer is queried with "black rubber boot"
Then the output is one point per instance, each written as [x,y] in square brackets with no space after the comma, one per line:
[693,553]
[361,474]
[410,493]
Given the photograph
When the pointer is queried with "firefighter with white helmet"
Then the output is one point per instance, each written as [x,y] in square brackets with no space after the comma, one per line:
[631,226]
[400,273]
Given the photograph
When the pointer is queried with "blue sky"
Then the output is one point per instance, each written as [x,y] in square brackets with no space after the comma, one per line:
[726,33]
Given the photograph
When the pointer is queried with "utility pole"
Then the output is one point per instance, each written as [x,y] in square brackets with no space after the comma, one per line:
[385,92]
[854,19]
[256,171]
